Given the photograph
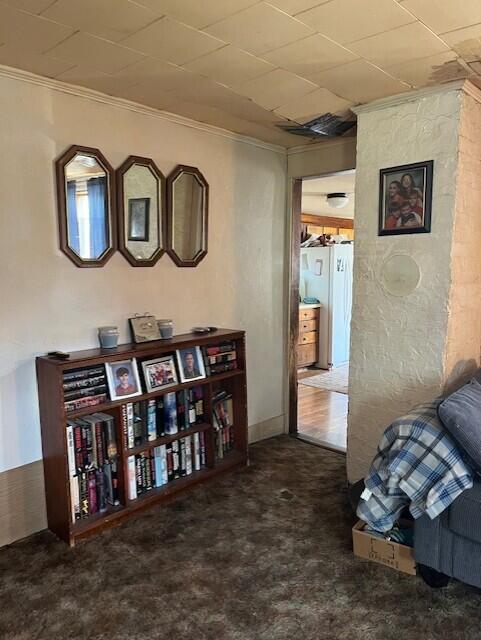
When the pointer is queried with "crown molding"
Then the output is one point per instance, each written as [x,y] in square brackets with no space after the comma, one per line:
[324,144]
[472,90]
[121,103]
[411,96]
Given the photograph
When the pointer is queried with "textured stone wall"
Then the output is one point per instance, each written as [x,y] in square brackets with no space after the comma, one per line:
[464,311]
[398,343]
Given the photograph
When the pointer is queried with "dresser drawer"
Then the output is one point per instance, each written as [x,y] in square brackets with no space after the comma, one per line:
[306,354]
[308,337]
[308,314]
[307,325]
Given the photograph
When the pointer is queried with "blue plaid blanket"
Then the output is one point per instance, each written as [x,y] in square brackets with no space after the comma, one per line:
[417,464]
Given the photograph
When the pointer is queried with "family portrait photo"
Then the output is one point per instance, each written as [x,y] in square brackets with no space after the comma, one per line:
[405,199]
[123,379]
[159,373]
[191,364]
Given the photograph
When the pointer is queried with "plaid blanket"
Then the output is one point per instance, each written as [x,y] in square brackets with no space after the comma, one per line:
[417,464]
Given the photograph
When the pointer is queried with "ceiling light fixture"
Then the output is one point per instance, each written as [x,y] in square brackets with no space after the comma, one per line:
[337,200]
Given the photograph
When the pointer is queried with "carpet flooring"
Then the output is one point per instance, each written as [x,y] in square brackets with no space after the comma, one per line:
[261,554]
[334,380]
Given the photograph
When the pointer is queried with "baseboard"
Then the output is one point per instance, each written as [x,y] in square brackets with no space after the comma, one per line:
[266,429]
[22,502]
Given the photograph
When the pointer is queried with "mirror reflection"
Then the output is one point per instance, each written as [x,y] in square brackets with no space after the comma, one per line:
[88,230]
[188,216]
[141,218]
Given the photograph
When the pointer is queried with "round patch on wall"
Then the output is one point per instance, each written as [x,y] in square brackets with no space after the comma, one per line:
[400,275]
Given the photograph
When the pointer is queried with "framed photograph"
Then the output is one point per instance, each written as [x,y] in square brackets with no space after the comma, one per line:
[123,379]
[139,209]
[191,364]
[405,195]
[144,328]
[159,373]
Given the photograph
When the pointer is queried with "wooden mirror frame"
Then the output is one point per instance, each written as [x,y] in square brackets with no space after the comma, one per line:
[121,213]
[179,170]
[60,165]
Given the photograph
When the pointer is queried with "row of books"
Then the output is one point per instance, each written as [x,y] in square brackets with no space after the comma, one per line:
[146,420]
[93,464]
[84,387]
[220,357]
[165,463]
[223,422]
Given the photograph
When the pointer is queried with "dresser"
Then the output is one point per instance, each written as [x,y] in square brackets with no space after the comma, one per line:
[308,344]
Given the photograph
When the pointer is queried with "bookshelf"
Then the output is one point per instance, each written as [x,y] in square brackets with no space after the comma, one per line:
[54,420]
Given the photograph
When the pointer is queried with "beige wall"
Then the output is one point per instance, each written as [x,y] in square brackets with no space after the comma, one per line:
[324,157]
[406,349]
[464,315]
[49,303]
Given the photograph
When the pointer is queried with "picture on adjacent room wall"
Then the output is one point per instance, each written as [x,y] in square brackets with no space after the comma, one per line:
[159,373]
[123,379]
[139,219]
[405,195]
[191,365]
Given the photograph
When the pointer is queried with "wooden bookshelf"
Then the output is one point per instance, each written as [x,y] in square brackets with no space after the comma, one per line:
[53,418]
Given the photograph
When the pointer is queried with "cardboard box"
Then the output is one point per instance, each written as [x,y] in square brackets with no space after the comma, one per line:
[392,554]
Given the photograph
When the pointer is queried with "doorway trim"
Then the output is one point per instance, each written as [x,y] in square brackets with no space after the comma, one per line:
[295,210]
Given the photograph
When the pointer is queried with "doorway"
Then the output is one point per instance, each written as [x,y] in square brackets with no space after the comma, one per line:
[320,309]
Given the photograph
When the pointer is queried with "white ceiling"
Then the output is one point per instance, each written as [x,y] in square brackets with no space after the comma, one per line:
[314,191]
[245,65]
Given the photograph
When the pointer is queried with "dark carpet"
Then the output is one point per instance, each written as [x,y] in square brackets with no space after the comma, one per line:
[263,553]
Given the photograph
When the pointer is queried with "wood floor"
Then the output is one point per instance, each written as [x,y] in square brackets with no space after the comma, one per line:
[322,415]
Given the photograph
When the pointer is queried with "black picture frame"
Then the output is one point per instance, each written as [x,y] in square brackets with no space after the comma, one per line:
[405,208]
[139,211]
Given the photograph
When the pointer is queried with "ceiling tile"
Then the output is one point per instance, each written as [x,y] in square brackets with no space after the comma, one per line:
[170,40]
[85,50]
[259,29]
[195,13]
[151,95]
[32,6]
[312,54]
[110,19]
[399,45]
[109,84]
[14,56]
[163,74]
[276,88]
[446,15]
[35,33]
[296,6]
[348,20]
[359,81]
[312,105]
[431,70]
[466,42]
[230,66]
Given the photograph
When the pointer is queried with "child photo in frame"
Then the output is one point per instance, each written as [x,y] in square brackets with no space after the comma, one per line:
[405,195]
[123,379]
[159,373]
[191,364]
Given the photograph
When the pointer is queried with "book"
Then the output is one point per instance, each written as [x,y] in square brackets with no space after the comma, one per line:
[85,372]
[159,417]
[196,451]
[81,403]
[188,455]
[84,495]
[101,493]
[108,420]
[71,450]
[132,485]
[151,420]
[92,491]
[170,414]
[84,383]
[139,426]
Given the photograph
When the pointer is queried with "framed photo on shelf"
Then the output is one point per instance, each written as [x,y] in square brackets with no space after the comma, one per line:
[123,379]
[159,373]
[405,195]
[191,364]
[138,221]
[144,328]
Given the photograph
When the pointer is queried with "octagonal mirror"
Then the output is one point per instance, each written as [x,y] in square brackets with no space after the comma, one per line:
[187,213]
[141,204]
[85,206]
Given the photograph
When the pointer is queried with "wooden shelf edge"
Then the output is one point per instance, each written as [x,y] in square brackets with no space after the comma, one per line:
[146,446]
[105,406]
[159,495]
